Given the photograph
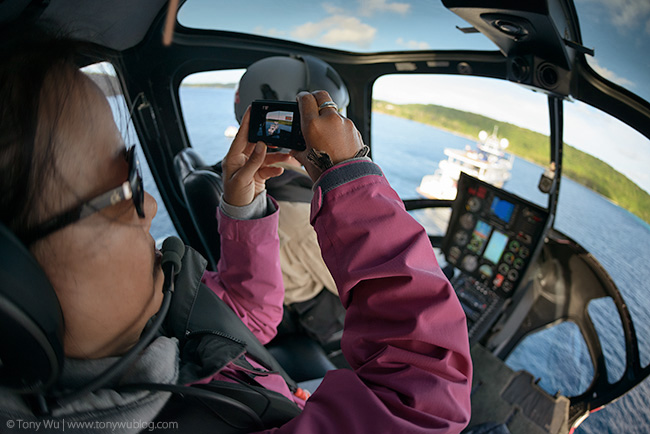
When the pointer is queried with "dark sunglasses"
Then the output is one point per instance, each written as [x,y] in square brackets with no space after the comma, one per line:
[132,188]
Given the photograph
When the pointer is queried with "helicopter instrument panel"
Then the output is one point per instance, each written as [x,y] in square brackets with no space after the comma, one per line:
[491,238]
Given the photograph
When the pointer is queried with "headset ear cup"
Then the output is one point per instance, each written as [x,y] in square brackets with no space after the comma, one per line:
[31,321]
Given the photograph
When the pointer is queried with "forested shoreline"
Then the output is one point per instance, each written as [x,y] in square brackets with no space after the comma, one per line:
[532,146]
[579,166]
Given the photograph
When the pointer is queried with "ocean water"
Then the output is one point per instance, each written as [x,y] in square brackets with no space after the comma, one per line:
[406,151]
[616,238]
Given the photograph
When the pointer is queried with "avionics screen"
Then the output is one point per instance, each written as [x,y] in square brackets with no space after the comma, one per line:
[479,236]
[502,209]
[495,247]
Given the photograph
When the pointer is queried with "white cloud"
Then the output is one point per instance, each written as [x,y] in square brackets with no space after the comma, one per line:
[332,9]
[413,45]
[369,7]
[627,15]
[342,26]
[609,74]
[309,30]
[337,29]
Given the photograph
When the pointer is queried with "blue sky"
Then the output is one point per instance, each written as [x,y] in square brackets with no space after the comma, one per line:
[619,30]
[355,25]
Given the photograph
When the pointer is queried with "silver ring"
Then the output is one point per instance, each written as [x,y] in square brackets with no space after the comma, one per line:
[327,104]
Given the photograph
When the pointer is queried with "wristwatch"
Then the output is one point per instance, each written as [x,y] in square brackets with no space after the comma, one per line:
[323,161]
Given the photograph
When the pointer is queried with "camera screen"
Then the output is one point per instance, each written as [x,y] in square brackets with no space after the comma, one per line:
[276,123]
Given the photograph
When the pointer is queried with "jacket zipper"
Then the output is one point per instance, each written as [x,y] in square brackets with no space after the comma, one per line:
[191,333]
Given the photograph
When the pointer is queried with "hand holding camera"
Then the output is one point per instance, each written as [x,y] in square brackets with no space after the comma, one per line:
[312,128]
[247,166]
[325,131]
[276,123]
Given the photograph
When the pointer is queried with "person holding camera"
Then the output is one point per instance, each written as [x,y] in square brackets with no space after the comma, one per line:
[405,336]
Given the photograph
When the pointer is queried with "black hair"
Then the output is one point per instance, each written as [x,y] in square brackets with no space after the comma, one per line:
[29,115]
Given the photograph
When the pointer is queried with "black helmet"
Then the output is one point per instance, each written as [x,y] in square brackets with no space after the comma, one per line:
[282,78]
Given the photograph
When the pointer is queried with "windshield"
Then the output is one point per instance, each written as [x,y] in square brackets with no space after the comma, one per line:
[619,32]
[359,25]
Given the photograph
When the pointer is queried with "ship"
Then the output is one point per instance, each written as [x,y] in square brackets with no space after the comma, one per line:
[487,161]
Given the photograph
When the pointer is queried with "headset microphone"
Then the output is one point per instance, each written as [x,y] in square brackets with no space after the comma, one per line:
[173,250]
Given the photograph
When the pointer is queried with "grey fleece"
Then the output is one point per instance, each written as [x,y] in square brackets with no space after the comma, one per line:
[105,411]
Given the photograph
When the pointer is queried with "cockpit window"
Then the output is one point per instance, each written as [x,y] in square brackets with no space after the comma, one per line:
[420,121]
[359,25]
[105,76]
[208,105]
[619,33]
[425,128]
[619,196]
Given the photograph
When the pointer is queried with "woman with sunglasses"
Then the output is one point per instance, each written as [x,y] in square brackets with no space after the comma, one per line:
[73,193]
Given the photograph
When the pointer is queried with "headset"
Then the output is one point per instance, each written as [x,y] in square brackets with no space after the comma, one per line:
[31,325]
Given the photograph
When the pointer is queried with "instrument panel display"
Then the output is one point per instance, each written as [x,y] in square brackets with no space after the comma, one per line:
[492,234]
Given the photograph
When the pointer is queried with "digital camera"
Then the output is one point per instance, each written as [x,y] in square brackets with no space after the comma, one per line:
[276,123]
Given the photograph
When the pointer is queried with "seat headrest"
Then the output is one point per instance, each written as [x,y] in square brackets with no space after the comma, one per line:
[187,161]
[31,321]
[202,187]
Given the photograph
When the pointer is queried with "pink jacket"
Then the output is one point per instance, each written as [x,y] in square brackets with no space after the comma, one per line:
[405,332]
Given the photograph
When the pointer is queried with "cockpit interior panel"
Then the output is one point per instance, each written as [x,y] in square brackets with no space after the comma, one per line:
[491,239]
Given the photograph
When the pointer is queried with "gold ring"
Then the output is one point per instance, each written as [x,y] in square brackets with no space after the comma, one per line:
[327,104]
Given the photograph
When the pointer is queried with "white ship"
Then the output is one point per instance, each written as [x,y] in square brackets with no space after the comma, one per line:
[488,162]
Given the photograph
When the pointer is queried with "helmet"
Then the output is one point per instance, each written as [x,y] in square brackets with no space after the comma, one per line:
[282,78]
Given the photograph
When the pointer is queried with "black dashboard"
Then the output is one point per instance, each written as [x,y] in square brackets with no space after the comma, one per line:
[491,239]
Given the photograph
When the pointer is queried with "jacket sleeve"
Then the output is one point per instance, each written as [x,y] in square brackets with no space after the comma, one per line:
[405,333]
[248,277]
